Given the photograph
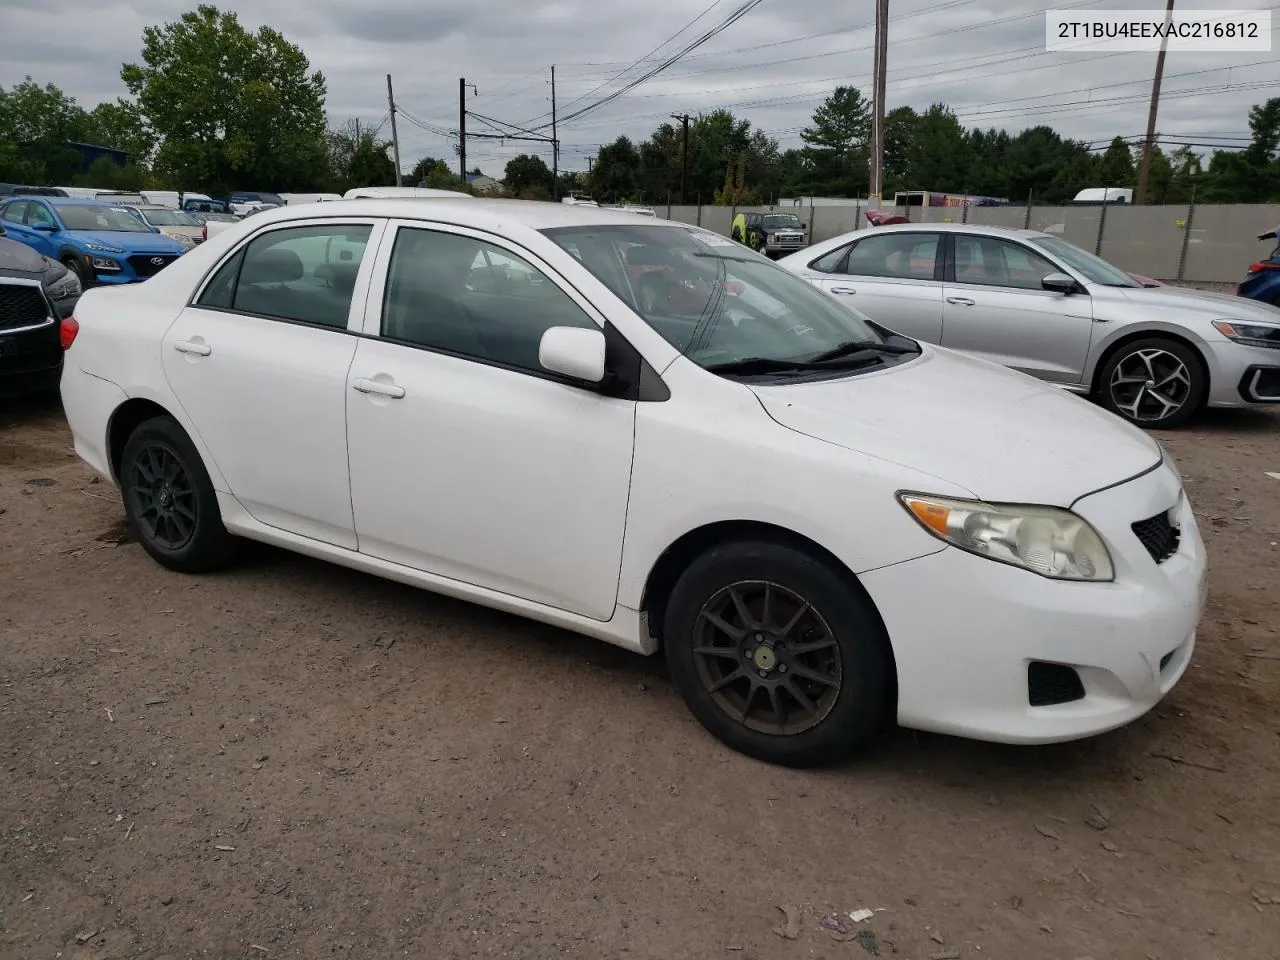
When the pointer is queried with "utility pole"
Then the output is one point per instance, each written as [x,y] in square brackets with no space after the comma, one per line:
[555,142]
[395,137]
[878,84]
[684,153]
[1148,146]
[462,128]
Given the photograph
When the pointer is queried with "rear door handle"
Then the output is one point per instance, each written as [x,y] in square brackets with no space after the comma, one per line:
[961,300]
[188,346]
[844,291]
[378,388]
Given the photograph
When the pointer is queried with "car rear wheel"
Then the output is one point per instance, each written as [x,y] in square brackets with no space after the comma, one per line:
[170,501]
[1156,383]
[776,654]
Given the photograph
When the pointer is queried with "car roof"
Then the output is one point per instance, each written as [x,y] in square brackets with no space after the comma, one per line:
[475,211]
[1011,233]
[60,201]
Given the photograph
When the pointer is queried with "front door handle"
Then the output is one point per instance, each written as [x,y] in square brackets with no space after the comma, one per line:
[960,300]
[188,346]
[844,291]
[378,388]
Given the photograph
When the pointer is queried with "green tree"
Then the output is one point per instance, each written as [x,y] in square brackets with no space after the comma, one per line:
[371,164]
[422,168]
[613,175]
[1116,169]
[231,109]
[440,177]
[899,130]
[35,124]
[105,174]
[526,171]
[735,191]
[837,143]
[937,151]
[120,126]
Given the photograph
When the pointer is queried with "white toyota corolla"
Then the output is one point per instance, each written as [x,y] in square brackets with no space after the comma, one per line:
[644,433]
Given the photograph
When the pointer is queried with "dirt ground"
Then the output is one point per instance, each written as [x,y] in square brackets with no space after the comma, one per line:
[293,760]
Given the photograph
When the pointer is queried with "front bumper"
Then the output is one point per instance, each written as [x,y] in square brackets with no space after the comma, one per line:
[30,360]
[965,630]
[1241,375]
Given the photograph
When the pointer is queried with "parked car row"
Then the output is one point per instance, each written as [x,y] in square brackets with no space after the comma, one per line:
[820,521]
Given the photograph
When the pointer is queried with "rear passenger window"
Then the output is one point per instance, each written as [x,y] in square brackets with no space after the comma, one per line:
[829,263]
[464,296]
[307,274]
[901,255]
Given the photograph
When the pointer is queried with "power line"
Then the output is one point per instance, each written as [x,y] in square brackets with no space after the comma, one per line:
[740,12]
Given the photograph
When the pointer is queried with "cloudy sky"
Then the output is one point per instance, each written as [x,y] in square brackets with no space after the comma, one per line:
[983,57]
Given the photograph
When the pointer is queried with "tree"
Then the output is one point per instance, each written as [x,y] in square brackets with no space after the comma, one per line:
[120,126]
[525,172]
[422,168]
[837,143]
[735,191]
[613,175]
[938,151]
[35,124]
[899,130]
[1116,167]
[230,109]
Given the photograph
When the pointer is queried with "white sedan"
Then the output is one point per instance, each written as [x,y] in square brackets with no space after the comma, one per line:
[645,433]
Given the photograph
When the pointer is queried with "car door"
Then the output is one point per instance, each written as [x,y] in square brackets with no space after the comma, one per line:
[895,278]
[42,227]
[997,309]
[14,217]
[259,362]
[468,460]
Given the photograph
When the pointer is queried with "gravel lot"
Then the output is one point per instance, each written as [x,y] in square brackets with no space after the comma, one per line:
[292,760]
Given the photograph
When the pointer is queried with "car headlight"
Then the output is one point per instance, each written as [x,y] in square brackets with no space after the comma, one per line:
[102,247]
[65,286]
[104,263]
[182,238]
[1250,334]
[1050,541]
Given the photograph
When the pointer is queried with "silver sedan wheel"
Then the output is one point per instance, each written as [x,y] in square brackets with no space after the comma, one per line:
[1150,384]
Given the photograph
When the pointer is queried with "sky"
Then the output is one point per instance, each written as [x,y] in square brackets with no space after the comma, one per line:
[985,58]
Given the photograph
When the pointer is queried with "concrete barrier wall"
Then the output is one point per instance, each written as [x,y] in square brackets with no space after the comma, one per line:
[1180,242]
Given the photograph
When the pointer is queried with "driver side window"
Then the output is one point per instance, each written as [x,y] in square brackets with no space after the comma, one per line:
[464,296]
[39,213]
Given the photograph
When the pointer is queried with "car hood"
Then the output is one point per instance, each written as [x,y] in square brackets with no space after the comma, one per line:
[1001,435]
[131,241]
[19,260]
[1214,306]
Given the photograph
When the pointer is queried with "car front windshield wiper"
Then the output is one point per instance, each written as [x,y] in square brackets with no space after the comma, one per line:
[751,366]
[851,347]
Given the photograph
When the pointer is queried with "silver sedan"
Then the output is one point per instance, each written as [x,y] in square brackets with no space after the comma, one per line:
[1033,302]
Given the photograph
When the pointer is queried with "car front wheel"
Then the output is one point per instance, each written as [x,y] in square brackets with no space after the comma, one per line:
[1156,383]
[82,273]
[170,501]
[777,654]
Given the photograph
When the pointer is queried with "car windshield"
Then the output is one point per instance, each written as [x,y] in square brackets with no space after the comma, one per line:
[170,218]
[1095,269]
[77,216]
[781,221]
[719,304]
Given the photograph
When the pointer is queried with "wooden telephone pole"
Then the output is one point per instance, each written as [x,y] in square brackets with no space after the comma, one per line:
[684,119]
[1148,145]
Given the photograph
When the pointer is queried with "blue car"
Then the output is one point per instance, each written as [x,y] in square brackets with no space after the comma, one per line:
[100,242]
[1263,280]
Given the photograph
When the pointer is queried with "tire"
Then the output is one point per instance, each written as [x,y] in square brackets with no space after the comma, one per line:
[1155,383]
[75,266]
[178,524]
[839,637]
[737,234]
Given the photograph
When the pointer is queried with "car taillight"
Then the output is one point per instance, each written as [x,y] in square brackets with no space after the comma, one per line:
[1264,265]
[67,332]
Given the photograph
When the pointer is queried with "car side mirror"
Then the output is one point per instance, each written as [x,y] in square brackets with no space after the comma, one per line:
[573,352]
[43,227]
[1060,283]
